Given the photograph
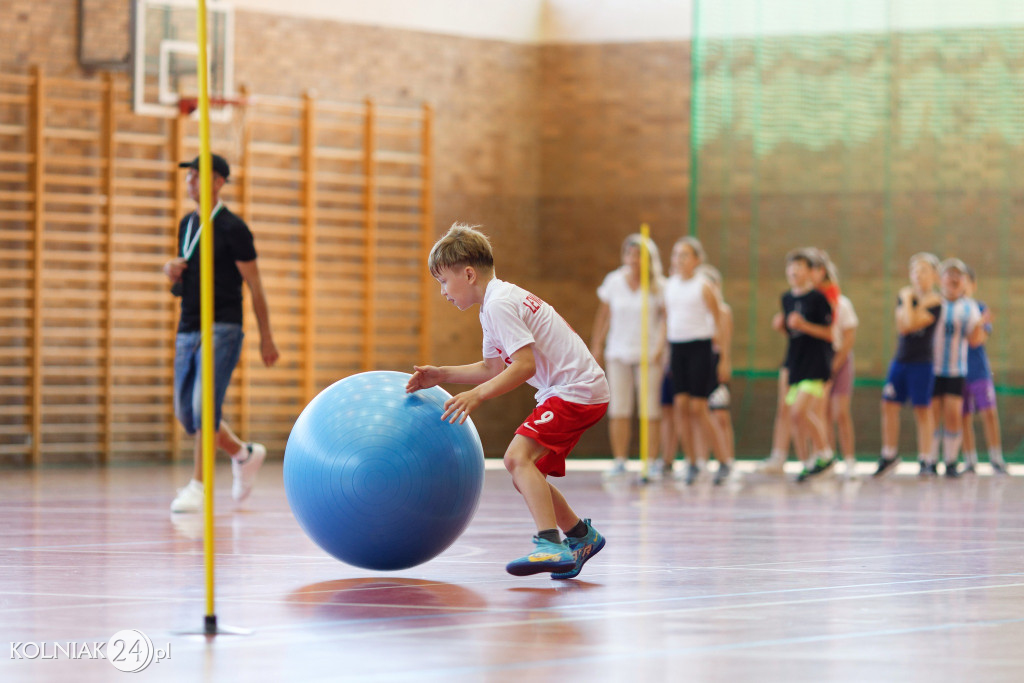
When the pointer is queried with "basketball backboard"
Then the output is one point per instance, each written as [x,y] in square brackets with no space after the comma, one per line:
[166,53]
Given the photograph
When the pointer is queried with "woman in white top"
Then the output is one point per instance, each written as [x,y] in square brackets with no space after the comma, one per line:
[693,310]
[616,345]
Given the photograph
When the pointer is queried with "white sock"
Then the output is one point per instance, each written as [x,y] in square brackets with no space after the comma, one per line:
[196,484]
[777,455]
[933,454]
[889,452]
[242,454]
[971,458]
[995,455]
[951,447]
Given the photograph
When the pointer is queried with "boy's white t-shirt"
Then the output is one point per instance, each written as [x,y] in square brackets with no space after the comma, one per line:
[623,341]
[846,319]
[512,318]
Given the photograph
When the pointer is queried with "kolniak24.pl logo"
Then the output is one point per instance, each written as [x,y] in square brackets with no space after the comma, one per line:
[130,650]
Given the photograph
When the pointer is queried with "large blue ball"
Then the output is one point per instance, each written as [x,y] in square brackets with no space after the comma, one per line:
[376,478]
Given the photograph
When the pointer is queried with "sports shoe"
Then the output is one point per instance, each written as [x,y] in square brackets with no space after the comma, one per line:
[1000,468]
[928,469]
[244,471]
[969,470]
[819,466]
[582,549]
[617,469]
[886,466]
[850,468]
[546,557]
[951,470]
[692,472]
[189,499]
[772,466]
[656,470]
[722,474]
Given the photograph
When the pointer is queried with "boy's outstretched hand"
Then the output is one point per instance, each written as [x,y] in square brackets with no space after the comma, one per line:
[423,377]
[459,406]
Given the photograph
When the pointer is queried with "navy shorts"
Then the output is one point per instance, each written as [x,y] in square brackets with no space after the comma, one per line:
[913,381]
[188,384]
[667,395]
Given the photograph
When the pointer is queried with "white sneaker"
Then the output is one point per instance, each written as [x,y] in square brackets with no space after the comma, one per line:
[656,470]
[189,499]
[617,469]
[244,472]
[772,466]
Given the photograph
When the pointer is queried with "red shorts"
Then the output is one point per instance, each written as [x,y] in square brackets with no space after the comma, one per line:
[558,425]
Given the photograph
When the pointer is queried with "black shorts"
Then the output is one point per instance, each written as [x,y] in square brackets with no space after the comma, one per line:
[948,386]
[693,368]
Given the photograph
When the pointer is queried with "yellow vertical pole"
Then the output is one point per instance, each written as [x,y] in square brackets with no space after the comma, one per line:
[427,230]
[645,360]
[309,258]
[206,309]
[38,225]
[108,188]
[369,173]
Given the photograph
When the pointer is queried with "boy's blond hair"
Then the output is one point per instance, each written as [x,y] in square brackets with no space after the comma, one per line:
[929,258]
[462,245]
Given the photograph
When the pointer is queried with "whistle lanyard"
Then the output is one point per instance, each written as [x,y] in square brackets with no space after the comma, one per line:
[190,243]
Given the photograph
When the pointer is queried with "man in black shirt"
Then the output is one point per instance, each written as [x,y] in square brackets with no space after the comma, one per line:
[234,262]
[807,319]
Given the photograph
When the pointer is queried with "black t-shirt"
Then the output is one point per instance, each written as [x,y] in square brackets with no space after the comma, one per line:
[232,241]
[808,357]
[916,347]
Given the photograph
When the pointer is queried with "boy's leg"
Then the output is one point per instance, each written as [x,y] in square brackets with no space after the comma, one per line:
[844,428]
[669,440]
[549,555]
[993,437]
[952,408]
[520,461]
[781,428]
[970,448]
[923,420]
[681,414]
[807,407]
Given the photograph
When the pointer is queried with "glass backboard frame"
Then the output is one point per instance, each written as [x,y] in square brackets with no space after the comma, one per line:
[156,84]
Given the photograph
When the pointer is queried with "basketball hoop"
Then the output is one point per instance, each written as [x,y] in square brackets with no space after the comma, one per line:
[188,104]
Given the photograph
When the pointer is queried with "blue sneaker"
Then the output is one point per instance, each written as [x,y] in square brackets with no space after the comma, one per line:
[546,557]
[582,549]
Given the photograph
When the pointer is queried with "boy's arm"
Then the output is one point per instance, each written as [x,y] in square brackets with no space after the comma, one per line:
[797,322]
[911,317]
[251,274]
[847,338]
[426,376]
[979,334]
[600,332]
[523,367]
[725,345]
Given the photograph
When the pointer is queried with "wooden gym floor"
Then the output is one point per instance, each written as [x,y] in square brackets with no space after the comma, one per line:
[761,580]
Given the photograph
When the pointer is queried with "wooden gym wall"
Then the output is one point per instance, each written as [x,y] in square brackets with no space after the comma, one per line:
[338,197]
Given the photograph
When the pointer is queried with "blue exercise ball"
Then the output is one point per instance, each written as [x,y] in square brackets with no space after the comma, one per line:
[376,478]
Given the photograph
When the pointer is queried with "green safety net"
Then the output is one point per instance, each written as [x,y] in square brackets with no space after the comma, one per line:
[873,129]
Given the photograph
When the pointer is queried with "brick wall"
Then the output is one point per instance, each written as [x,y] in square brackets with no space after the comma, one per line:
[562,150]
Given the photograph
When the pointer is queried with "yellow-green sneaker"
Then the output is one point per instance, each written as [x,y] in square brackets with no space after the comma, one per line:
[546,557]
[582,550]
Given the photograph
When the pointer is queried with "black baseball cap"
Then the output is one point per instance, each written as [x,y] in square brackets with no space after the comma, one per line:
[220,165]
